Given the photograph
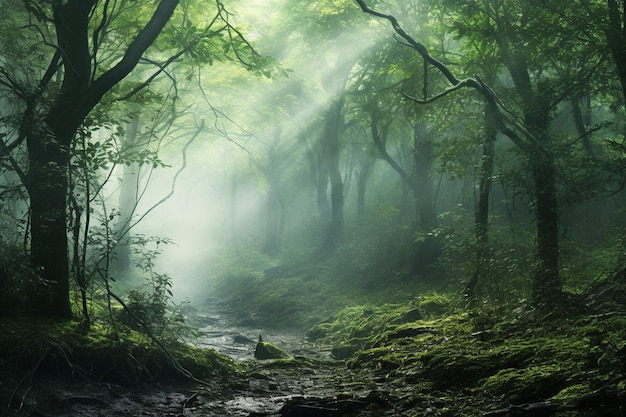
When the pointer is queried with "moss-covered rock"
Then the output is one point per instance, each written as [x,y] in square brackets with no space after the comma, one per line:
[266,350]
[345,350]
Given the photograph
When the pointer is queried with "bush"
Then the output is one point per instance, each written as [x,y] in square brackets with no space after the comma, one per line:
[18,281]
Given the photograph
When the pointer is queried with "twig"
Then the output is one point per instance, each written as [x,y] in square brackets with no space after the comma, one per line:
[189,401]
[30,373]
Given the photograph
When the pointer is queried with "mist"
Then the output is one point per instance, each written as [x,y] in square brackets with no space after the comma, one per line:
[219,201]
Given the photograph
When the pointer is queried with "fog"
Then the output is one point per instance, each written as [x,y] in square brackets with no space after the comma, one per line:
[211,198]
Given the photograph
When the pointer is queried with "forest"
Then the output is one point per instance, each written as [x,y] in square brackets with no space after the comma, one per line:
[314,208]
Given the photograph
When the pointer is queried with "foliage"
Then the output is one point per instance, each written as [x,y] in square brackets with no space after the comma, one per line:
[18,281]
[152,306]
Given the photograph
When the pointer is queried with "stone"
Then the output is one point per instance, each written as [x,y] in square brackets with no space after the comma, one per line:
[266,350]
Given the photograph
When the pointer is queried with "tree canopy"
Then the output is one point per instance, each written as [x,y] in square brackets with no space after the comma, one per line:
[337,118]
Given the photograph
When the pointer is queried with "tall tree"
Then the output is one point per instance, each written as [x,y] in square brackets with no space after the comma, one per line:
[85,48]
[616,36]
[48,145]
[518,30]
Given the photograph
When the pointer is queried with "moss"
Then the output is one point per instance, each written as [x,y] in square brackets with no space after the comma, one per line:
[572,392]
[319,331]
[345,350]
[531,384]
[203,363]
[512,361]
[434,305]
[266,350]
[295,362]
[70,347]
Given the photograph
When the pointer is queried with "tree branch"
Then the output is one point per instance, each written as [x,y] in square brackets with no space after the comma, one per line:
[509,126]
[420,48]
[135,51]
[382,149]
[7,153]
[462,84]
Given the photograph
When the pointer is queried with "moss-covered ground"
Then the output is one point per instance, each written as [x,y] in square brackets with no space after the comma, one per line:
[439,357]
[423,351]
[451,366]
[100,352]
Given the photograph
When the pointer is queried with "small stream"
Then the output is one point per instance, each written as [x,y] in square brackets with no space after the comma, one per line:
[238,342]
[267,388]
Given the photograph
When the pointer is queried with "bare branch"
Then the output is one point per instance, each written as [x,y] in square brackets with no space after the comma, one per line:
[7,154]
[505,119]
[462,84]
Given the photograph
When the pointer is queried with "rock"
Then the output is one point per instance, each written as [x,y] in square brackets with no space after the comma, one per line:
[266,350]
[412,315]
[319,331]
[302,410]
[344,351]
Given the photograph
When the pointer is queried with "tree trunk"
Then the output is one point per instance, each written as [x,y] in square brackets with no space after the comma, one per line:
[616,38]
[365,168]
[482,205]
[47,188]
[129,187]
[582,120]
[422,165]
[547,284]
[321,188]
[275,206]
[48,145]
[331,146]
[275,218]
[429,248]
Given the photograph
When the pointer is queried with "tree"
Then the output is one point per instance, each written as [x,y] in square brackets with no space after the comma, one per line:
[518,31]
[393,119]
[616,37]
[85,49]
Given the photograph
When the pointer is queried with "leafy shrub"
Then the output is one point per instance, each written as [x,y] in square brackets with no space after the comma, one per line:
[18,281]
[151,306]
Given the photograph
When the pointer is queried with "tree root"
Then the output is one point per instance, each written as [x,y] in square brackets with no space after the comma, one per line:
[161,346]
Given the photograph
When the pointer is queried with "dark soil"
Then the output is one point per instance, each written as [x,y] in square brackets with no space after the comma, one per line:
[309,383]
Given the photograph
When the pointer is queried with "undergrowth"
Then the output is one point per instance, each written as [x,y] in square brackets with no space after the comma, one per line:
[472,364]
[97,352]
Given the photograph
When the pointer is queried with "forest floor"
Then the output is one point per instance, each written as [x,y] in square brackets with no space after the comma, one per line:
[309,381]
[413,357]
[412,366]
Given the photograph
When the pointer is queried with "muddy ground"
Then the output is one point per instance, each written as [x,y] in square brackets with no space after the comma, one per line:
[311,383]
